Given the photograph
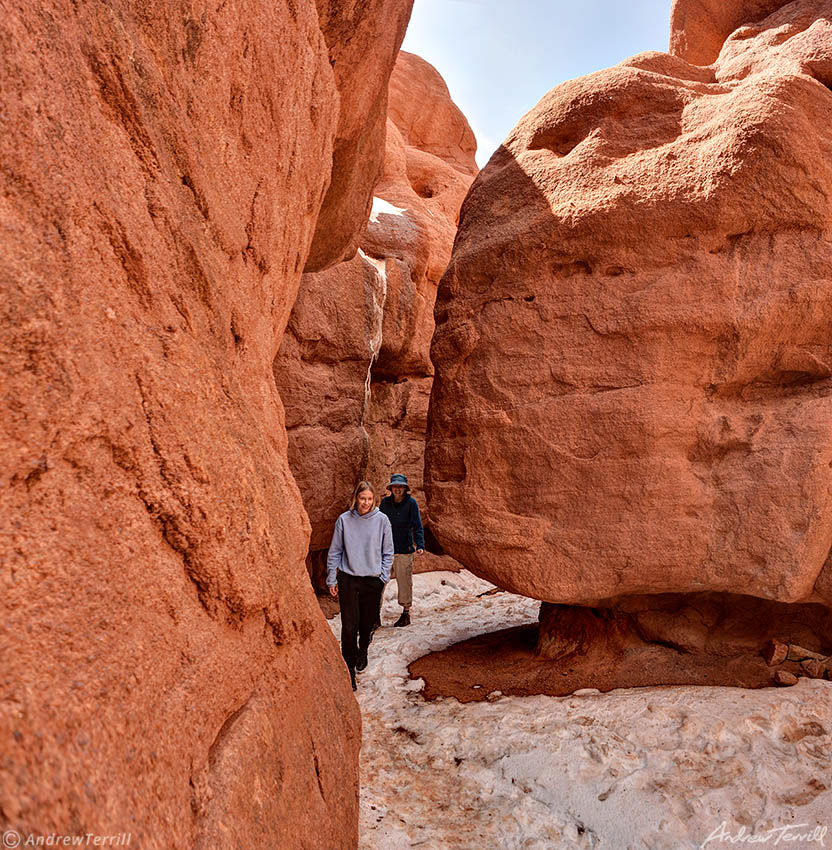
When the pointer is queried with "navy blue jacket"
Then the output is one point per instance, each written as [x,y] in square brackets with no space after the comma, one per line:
[406,522]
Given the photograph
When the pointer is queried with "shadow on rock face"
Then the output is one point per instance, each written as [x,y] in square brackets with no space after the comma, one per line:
[632,350]
[668,639]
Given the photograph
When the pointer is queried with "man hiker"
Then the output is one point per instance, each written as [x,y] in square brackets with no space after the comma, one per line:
[403,512]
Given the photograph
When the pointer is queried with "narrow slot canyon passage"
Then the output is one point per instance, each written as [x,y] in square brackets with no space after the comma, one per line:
[657,767]
[254,254]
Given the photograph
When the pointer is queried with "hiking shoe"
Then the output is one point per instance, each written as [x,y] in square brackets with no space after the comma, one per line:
[376,625]
[404,620]
[361,663]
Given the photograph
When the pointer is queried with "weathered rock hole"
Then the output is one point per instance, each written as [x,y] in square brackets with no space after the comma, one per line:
[434,546]
[236,335]
[385,370]
[424,190]
[561,142]
[657,640]
[579,267]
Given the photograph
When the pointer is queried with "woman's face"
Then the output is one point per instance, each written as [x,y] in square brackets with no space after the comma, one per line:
[364,501]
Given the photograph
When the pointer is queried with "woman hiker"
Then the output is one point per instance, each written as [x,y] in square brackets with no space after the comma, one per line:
[403,513]
[358,567]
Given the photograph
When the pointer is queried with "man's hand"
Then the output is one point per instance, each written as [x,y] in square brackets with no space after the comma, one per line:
[333,591]
[420,551]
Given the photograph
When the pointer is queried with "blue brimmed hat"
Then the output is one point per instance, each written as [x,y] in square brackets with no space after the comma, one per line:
[398,478]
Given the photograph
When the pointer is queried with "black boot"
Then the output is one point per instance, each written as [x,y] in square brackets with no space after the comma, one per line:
[352,679]
[361,662]
[404,619]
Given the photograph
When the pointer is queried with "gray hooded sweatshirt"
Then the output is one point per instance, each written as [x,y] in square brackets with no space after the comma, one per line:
[361,546]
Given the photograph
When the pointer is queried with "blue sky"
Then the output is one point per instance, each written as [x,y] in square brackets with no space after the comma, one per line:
[499,57]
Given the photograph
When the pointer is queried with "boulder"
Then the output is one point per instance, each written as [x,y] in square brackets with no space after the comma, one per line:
[421,108]
[632,349]
[814,669]
[800,653]
[163,171]
[775,652]
[430,563]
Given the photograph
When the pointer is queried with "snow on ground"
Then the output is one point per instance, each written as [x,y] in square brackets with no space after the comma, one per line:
[644,768]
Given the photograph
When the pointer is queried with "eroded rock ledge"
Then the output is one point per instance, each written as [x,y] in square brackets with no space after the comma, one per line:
[646,641]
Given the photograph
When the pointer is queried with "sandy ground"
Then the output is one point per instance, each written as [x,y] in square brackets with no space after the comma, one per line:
[657,768]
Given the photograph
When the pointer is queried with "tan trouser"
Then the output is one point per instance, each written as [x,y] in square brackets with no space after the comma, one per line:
[403,573]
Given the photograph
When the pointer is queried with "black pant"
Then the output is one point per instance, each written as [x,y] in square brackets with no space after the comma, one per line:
[359,597]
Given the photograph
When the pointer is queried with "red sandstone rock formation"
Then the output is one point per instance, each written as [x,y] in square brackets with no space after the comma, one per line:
[166,671]
[633,337]
[429,121]
[698,28]
[354,370]
[363,40]
[322,372]
[429,167]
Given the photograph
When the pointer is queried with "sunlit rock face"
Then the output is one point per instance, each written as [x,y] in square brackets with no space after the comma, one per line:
[354,368]
[634,337]
[165,670]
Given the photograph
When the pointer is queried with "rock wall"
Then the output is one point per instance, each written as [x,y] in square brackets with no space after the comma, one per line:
[322,371]
[166,671]
[353,369]
[632,350]
[428,170]
[363,38]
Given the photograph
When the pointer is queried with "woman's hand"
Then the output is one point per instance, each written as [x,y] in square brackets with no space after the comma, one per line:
[333,591]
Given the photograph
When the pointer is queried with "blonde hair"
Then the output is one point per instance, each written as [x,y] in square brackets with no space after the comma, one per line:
[360,488]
